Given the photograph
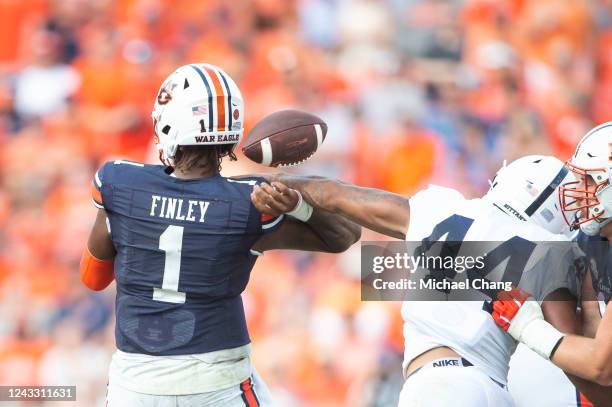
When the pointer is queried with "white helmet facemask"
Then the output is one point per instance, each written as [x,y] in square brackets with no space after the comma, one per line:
[587,201]
[528,189]
[198,104]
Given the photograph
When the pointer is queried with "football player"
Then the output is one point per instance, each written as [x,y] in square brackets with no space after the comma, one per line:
[587,204]
[180,240]
[554,388]
[453,354]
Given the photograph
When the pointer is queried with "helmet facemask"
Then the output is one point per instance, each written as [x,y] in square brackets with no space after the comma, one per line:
[583,201]
[587,202]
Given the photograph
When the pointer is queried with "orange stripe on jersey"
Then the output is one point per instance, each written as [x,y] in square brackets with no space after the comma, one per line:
[584,402]
[266,218]
[96,195]
[221,98]
[248,396]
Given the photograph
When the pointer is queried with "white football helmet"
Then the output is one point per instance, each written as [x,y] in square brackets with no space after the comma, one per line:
[587,202]
[198,104]
[527,189]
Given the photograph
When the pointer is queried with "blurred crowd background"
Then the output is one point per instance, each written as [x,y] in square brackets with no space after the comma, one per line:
[414,91]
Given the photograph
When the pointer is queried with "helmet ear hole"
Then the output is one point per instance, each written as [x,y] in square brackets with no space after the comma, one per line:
[166,129]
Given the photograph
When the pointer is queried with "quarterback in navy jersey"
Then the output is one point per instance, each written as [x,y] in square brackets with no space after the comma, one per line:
[180,240]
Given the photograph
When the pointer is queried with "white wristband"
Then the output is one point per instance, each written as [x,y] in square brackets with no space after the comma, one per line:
[302,211]
[541,337]
[529,327]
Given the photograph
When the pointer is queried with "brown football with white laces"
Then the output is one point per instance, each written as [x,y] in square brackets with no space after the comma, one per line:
[284,138]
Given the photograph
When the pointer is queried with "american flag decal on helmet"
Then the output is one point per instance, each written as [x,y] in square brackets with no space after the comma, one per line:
[199,110]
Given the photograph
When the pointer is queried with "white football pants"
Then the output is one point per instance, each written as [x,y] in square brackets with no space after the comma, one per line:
[253,392]
[452,386]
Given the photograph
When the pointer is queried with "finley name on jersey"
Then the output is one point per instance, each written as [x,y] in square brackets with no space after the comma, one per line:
[175,208]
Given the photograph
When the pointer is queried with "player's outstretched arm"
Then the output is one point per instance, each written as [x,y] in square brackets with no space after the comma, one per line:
[97,261]
[322,231]
[589,358]
[559,310]
[379,210]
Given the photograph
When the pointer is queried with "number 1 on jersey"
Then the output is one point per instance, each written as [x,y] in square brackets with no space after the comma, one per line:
[171,242]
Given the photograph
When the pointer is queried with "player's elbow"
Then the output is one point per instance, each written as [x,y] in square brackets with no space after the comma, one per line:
[337,247]
[344,238]
[603,373]
[355,234]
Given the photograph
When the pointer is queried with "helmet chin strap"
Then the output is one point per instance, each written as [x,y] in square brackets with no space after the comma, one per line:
[592,227]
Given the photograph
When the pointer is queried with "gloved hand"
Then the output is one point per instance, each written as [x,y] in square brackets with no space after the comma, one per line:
[517,313]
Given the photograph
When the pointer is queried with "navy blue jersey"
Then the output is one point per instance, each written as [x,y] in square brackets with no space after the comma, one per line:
[183,257]
[597,248]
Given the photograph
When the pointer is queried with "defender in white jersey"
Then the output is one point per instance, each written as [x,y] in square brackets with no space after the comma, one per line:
[465,327]
[454,353]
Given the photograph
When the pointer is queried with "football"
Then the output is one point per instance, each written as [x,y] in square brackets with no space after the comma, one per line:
[285,138]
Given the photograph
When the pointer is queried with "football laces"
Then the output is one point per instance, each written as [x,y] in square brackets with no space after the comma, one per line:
[293,164]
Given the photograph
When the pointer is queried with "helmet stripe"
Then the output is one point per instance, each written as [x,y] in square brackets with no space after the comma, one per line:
[229,100]
[220,99]
[550,188]
[210,97]
[214,107]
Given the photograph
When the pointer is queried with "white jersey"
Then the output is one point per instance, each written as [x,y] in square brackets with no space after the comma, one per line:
[463,325]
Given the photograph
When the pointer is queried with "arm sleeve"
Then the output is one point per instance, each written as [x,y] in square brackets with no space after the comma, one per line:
[96,274]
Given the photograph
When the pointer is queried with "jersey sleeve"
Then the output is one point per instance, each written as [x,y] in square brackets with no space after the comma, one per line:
[268,224]
[100,179]
[264,223]
[549,269]
[427,206]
